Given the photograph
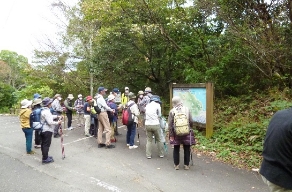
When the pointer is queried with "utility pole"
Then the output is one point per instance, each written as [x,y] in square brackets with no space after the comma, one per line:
[91,66]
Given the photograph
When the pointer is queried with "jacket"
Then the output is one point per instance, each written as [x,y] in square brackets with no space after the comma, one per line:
[47,119]
[178,140]
[134,110]
[24,116]
[69,105]
[78,104]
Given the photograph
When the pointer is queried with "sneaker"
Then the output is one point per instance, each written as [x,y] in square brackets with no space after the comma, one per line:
[176,167]
[31,152]
[70,128]
[37,146]
[186,167]
[128,145]
[87,135]
[101,145]
[161,156]
[48,160]
[110,146]
[51,157]
[149,157]
[133,147]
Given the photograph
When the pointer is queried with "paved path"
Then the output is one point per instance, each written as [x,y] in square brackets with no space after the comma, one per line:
[88,168]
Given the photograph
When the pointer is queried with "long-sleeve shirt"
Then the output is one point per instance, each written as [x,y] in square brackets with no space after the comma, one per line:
[134,109]
[24,115]
[57,106]
[144,102]
[152,113]
[47,119]
[101,103]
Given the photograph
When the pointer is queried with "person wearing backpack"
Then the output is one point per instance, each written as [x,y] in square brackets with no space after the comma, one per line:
[152,124]
[37,108]
[142,104]
[178,137]
[131,127]
[69,110]
[112,116]
[79,104]
[57,110]
[47,119]
[24,116]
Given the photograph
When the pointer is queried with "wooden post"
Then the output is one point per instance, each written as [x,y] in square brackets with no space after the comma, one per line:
[209,109]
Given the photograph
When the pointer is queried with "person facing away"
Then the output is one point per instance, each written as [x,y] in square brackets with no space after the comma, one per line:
[131,129]
[24,116]
[145,100]
[103,121]
[186,140]
[37,133]
[69,110]
[152,124]
[79,104]
[47,119]
[57,110]
[87,115]
[276,167]
[112,116]
[125,97]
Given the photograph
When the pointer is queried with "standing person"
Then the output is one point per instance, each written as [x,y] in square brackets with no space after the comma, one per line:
[141,109]
[125,97]
[276,168]
[47,119]
[24,116]
[57,110]
[93,118]
[69,110]
[112,116]
[176,140]
[131,129]
[145,100]
[116,93]
[37,133]
[79,104]
[152,124]
[103,121]
[87,116]
[36,96]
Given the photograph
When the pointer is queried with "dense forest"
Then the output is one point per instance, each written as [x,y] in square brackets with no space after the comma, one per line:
[242,46]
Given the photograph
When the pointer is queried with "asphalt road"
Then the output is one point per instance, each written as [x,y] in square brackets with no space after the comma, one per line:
[88,168]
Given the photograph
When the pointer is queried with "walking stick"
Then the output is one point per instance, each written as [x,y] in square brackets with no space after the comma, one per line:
[62,145]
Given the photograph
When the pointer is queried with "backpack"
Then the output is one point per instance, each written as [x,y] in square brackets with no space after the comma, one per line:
[127,116]
[181,123]
[35,119]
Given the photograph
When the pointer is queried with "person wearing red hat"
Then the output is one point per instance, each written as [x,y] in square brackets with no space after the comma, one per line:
[87,109]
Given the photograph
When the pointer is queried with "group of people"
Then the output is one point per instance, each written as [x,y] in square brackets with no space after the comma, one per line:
[103,112]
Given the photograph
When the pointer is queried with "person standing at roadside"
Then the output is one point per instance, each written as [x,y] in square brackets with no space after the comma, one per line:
[125,97]
[69,110]
[79,104]
[57,110]
[152,124]
[176,140]
[37,133]
[87,115]
[113,117]
[24,116]
[47,119]
[103,121]
[141,109]
[276,167]
[131,129]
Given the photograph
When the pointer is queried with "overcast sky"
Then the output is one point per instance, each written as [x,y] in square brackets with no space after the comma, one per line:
[25,24]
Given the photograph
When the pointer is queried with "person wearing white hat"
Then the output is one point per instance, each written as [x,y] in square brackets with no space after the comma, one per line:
[125,96]
[69,110]
[24,116]
[112,116]
[79,104]
[57,110]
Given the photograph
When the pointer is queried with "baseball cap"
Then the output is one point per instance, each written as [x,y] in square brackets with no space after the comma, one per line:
[101,89]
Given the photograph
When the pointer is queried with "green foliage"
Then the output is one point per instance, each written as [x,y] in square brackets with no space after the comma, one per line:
[7,97]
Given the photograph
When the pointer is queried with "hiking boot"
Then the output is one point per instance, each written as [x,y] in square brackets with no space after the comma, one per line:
[51,157]
[110,146]
[101,145]
[31,153]
[186,167]
[133,147]
[176,167]
[48,160]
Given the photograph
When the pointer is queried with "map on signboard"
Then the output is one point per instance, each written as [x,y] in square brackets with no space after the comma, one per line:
[195,100]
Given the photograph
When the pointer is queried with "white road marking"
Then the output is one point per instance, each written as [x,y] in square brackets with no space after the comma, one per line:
[77,140]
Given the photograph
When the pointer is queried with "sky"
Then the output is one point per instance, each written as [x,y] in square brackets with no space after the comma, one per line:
[26,25]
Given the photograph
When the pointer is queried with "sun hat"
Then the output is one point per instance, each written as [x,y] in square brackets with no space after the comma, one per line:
[70,96]
[110,97]
[116,90]
[140,93]
[132,95]
[79,95]
[147,89]
[37,101]
[101,89]
[25,103]
[57,95]
[46,101]
[126,88]
[37,96]
[88,98]
[155,98]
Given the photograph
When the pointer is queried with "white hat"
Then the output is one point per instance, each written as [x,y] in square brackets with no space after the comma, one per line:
[79,95]
[70,96]
[126,88]
[25,103]
[110,97]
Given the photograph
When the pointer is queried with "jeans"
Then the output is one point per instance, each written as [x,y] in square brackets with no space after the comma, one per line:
[131,133]
[69,117]
[28,136]
[186,154]
[150,131]
[46,143]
